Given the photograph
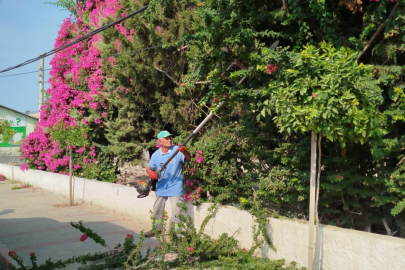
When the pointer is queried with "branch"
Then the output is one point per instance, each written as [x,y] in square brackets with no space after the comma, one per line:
[359,213]
[400,162]
[239,64]
[377,32]
[235,232]
[387,228]
[202,82]
[164,72]
[145,264]
[356,213]
[182,48]
[229,68]
[101,260]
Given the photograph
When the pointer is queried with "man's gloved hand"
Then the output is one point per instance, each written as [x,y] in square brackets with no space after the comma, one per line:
[182,149]
[153,175]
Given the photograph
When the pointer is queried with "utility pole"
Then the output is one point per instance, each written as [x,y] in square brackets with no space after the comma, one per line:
[41,81]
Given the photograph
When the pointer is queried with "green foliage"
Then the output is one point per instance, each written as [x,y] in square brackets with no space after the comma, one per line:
[103,169]
[69,136]
[185,248]
[208,47]
[324,90]
[227,171]
[6,133]
[69,5]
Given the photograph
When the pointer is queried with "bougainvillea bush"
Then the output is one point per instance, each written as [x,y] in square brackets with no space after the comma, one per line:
[167,67]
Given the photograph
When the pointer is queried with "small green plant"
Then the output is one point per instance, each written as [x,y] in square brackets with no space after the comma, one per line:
[27,185]
[181,248]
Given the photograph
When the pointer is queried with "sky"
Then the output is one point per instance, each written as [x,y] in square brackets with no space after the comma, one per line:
[27,29]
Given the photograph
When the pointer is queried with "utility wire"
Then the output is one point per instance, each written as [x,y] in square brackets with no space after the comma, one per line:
[95,60]
[85,37]
[76,41]
[19,73]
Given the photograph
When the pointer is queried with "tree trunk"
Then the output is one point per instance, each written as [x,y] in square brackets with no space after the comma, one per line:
[318,184]
[70,176]
[312,202]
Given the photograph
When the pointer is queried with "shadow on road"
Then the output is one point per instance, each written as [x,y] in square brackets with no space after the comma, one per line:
[7,211]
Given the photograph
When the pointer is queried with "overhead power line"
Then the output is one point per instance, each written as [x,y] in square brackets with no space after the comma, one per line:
[99,58]
[19,73]
[76,41]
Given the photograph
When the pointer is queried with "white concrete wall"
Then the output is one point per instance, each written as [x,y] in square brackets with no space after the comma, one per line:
[340,249]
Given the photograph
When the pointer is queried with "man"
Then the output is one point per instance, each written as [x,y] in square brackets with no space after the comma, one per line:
[170,183]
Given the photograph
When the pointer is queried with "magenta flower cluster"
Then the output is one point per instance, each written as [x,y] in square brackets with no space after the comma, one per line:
[76,84]
[193,192]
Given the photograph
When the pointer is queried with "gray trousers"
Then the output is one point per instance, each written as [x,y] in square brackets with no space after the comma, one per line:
[159,206]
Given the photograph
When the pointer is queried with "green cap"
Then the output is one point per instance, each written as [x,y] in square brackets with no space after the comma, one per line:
[164,134]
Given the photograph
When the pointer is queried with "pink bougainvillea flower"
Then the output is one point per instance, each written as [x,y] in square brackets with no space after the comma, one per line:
[32,254]
[98,121]
[83,237]
[157,144]
[314,94]
[159,29]
[24,167]
[129,235]
[11,253]
[199,158]
[339,177]
[271,68]
[191,250]
[244,250]
[117,45]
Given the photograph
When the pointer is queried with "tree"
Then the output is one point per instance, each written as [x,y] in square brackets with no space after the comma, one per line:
[324,91]
[69,137]
[5,131]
